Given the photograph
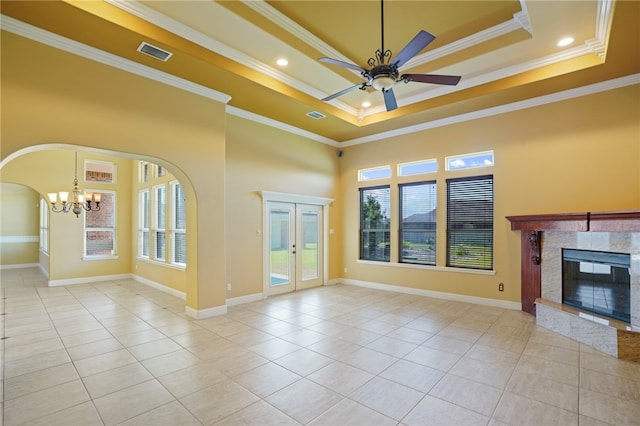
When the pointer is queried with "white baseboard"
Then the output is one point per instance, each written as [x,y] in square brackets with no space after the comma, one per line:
[245,299]
[205,313]
[505,304]
[20,266]
[163,288]
[86,280]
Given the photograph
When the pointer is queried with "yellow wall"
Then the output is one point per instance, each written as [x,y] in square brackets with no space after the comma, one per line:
[571,156]
[262,158]
[19,225]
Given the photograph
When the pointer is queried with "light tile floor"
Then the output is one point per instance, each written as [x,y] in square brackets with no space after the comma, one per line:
[122,353]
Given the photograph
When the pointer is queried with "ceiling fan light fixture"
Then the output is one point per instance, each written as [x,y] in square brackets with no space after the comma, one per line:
[383,82]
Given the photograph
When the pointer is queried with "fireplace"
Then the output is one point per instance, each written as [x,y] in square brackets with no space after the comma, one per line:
[589,249]
[598,282]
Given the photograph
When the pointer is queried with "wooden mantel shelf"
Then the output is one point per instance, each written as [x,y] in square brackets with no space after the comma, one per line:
[532,227]
[617,221]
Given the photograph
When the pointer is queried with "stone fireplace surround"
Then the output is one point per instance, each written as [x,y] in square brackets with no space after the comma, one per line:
[543,238]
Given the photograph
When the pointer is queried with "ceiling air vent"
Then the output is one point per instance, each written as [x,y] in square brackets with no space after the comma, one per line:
[156,52]
[316,115]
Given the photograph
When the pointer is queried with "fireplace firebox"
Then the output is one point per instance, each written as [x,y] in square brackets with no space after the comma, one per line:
[596,281]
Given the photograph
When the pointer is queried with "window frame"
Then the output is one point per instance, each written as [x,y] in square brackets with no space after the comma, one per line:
[144,218]
[156,229]
[44,226]
[174,230]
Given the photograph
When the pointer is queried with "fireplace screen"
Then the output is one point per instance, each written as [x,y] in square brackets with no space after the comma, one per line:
[598,282]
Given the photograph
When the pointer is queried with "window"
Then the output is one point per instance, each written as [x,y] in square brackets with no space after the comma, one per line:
[143,223]
[374,223]
[178,231]
[160,171]
[418,223]
[159,222]
[99,171]
[100,227]
[470,222]
[145,171]
[44,226]
[467,161]
[417,167]
[383,172]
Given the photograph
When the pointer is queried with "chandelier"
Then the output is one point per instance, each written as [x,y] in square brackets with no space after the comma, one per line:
[89,201]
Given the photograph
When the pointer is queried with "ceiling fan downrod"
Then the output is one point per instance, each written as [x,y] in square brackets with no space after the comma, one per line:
[383,57]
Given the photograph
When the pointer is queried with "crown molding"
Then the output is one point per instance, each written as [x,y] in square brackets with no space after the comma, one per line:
[502,109]
[279,125]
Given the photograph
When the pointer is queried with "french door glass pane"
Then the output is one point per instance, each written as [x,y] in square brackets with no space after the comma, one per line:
[310,245]
[279,250]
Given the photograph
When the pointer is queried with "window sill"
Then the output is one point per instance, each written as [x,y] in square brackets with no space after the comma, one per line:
[162,263]
[92,258]
[428,267]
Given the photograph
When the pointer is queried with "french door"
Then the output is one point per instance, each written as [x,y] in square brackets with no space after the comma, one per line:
[294,243]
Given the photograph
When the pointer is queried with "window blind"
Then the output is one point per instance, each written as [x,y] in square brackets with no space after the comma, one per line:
[418,223]
[470,222]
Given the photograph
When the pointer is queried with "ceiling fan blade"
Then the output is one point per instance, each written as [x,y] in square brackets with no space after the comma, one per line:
[389,99]
[450,80]
[347,90]
[419,42]
[342,64]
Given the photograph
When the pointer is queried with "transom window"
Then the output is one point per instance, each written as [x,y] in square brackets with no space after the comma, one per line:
[417,167]
[467,161]
[382,172]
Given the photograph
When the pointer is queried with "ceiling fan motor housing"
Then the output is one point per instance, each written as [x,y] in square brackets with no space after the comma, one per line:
[382,77]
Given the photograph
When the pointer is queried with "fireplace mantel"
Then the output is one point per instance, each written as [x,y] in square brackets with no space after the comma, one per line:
[532,227]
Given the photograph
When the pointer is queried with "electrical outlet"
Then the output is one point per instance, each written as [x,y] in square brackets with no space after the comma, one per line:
[501,287]
[228,286]
[345,270]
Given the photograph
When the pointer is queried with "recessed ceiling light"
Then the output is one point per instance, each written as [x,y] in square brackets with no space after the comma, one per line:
[282,62]
[366,104]
[565,41]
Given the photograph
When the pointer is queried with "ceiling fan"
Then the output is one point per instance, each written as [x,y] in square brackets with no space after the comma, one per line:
[383,72]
